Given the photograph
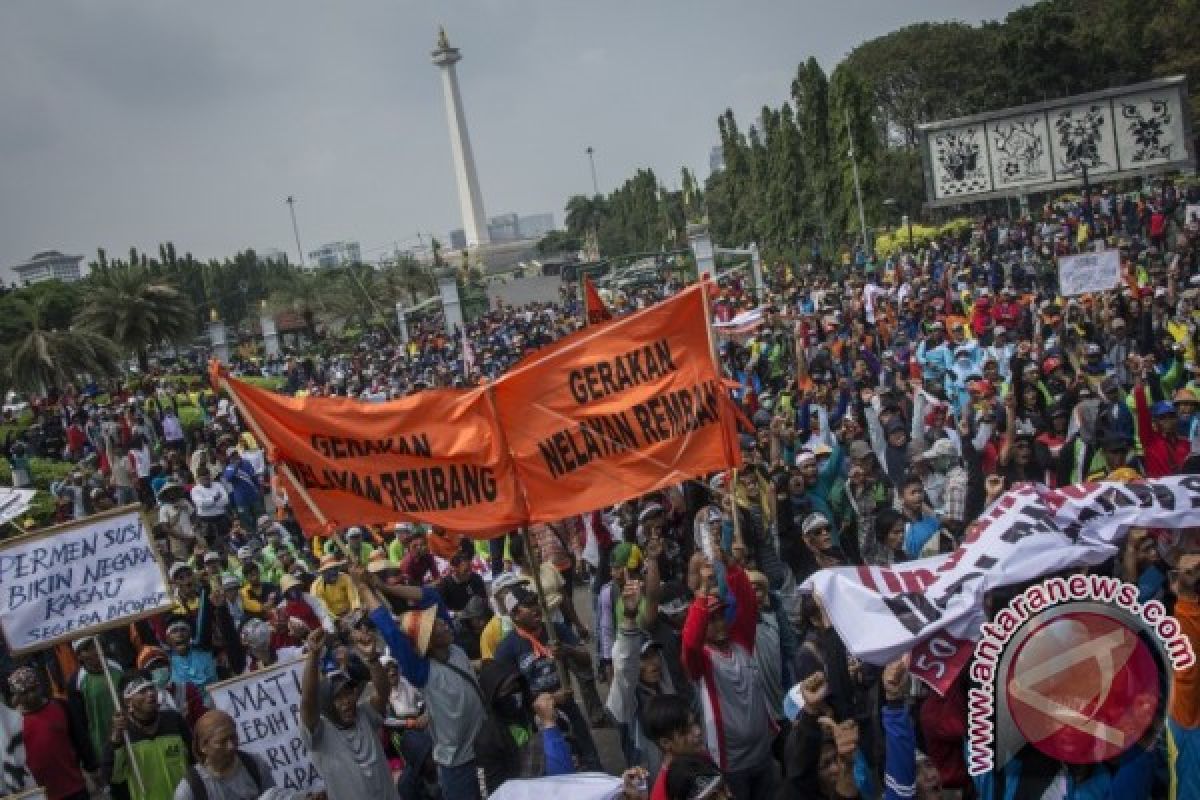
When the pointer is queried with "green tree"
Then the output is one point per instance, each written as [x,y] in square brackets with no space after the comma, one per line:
[556,242]
[810,99]
[314,295]
[135,311]
[585,216]
[41,357]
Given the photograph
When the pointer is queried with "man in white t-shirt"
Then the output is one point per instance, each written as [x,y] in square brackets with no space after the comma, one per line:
[211,500]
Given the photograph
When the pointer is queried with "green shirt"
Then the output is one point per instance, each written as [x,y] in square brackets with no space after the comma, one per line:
[162,757]
[98,705]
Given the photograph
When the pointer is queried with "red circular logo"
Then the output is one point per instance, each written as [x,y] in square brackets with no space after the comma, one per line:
[1083,687]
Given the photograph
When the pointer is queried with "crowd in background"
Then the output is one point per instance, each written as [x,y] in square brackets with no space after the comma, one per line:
[887,404]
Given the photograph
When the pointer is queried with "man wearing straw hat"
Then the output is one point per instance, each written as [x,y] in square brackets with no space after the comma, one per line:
[423,645]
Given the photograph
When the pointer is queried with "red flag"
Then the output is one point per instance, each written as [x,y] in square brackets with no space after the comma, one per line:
[597,312]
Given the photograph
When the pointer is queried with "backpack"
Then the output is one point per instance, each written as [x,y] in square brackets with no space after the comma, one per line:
[200,792]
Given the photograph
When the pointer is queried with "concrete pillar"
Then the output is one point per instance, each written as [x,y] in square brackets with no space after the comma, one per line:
[447,280]
[218,338]
[402,322]
[702,250]
[270,336]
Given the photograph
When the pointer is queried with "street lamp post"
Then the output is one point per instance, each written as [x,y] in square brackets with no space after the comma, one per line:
[291,201]
[862,217]
[591,154]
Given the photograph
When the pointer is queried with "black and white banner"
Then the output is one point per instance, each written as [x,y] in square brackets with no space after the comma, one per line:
[1030,531]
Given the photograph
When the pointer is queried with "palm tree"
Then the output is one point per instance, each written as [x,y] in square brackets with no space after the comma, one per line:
[136,311]
[312,294]
[584,215]
[40,359]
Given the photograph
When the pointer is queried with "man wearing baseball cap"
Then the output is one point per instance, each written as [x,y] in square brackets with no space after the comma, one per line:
[529,649]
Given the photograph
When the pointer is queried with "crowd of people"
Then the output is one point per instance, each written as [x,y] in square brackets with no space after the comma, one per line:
[886,405]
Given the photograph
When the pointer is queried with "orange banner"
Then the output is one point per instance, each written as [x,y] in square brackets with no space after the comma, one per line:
[600,416]
[433,457]
[594,304]
[616,411]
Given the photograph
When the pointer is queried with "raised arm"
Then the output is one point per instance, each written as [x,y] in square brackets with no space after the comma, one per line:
[310,686]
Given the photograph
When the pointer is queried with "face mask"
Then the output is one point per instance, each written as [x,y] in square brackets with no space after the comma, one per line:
[161,676]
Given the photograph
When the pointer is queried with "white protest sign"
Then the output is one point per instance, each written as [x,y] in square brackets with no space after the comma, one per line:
[1191,215]
[78,579]
[882,613]
[1089,272]
[265,707]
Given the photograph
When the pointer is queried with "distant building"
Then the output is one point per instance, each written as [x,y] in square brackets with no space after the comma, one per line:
[50,266]
[508,228]
[335,254]
[503,228]
[535,226]
[716,159]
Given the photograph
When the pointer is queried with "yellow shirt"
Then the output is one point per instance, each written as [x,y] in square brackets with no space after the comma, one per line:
[340,597]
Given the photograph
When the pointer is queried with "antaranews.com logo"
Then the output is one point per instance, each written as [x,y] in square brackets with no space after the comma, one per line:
[1075,667]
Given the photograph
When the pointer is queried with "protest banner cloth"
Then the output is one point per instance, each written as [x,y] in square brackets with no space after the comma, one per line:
[1089,272]
[79,579]
[14,503]
[32,794]
[595,308]
[432,457]
[607,413]
[933,607]
[615,411]
[265,706]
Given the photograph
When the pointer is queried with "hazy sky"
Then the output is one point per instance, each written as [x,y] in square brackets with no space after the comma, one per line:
[129,123]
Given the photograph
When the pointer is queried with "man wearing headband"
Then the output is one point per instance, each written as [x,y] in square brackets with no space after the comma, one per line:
[57,751]
[157,739]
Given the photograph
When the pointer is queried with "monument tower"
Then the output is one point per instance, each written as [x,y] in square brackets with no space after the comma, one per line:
[469,198]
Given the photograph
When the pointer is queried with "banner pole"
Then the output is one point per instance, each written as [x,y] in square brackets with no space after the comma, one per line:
[112,690]
[536,569]
[733,505]
[731,445]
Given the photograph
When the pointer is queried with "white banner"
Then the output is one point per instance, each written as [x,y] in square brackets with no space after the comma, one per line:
[578,786]
[78,579]
[14,503]
[1031,531]
[265,707]
[1089,272]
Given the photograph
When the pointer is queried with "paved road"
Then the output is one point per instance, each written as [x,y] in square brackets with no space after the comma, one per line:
[519,291]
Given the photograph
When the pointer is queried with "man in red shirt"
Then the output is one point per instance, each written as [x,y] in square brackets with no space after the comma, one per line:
[1165,451]
[56,746]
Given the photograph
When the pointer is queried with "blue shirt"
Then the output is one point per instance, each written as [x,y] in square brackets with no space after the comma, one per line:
[244,482]
[540,673]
